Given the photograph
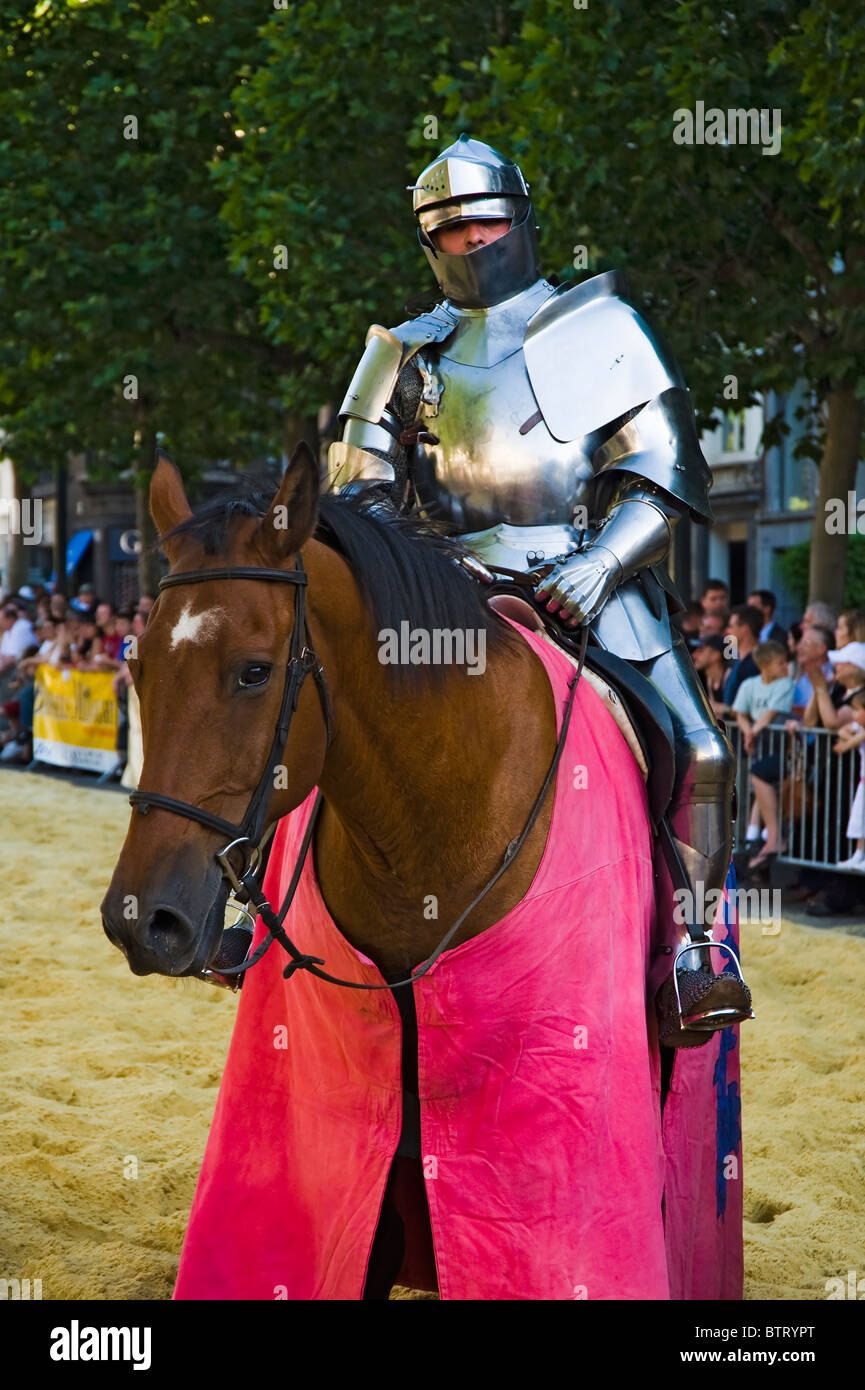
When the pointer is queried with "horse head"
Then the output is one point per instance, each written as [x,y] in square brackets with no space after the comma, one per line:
[209,673]
[393,631]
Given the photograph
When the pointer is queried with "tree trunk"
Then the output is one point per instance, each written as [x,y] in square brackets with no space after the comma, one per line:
[838,467]
[16,569]
[297,428]
[61,525]
[19,562]
[150,566]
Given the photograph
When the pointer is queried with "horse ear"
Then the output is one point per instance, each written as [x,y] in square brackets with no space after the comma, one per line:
[168,504]
[294,510]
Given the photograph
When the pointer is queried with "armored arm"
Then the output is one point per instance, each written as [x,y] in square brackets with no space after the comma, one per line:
[634,406]
[634,533]
[369,454]
[657,442]
[381,406]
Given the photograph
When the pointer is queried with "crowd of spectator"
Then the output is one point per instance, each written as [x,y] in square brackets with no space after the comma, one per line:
[757,677]
[40,628]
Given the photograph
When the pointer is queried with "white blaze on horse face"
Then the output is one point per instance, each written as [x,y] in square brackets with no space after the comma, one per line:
[195,627]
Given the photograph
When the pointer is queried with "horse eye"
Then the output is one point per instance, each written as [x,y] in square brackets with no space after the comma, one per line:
[256,674]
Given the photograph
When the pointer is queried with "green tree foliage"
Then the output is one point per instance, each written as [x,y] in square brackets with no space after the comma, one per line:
[753,263]
[114,260]
[794,565]
[122,317]
[340,118]
[263,127]
[132,306]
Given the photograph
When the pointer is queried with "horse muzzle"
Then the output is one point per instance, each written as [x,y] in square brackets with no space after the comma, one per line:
[164,937]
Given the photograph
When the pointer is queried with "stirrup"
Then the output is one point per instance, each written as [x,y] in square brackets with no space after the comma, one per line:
[710,1020]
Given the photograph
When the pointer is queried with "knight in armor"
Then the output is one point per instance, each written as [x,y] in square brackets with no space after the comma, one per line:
[549,426]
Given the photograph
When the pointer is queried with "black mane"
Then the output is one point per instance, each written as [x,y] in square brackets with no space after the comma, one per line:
[404,566]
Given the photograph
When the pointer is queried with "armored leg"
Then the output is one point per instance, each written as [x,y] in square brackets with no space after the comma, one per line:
[700,811]
[700,820]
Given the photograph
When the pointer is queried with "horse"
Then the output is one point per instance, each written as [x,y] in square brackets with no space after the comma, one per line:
[428,774]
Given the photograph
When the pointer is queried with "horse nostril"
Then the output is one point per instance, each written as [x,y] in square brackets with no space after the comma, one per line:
[167,930]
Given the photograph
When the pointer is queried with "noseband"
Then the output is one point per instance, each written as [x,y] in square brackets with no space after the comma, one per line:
[245,886]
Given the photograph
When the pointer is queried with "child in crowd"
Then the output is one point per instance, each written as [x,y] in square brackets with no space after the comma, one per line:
[853,736]
[760,701]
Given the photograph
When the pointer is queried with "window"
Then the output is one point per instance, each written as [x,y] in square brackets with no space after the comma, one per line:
[797,476]
[733,432]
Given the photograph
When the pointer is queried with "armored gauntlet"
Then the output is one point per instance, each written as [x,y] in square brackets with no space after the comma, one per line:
[636,533]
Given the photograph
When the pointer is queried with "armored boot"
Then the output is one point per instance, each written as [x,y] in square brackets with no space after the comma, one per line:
[694,1002]
[697,837]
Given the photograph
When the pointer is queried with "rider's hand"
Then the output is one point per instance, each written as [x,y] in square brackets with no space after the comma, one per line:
[577,589]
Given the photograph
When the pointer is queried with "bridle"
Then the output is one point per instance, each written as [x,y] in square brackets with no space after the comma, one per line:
[302,661]
[245,887]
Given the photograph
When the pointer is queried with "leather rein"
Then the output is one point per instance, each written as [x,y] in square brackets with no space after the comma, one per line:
[245,886]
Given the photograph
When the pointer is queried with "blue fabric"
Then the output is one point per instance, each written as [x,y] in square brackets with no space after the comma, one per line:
[75,548]
[728,1102]
[26,701]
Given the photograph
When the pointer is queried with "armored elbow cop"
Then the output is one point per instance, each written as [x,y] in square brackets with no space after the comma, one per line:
[659,445]
[370,445]
[370,433]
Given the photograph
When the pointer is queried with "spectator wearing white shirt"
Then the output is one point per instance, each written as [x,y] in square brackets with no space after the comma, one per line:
[47,637]
[829,708]
[17,636]
[853,736]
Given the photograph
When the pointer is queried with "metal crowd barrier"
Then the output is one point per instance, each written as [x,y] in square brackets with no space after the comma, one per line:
[815,792]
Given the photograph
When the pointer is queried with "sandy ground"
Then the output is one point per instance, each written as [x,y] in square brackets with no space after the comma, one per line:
[109,1082]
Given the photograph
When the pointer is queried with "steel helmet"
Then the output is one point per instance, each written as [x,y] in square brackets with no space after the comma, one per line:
[468,181]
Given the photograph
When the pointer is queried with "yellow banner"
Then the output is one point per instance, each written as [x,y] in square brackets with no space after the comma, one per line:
[75,719]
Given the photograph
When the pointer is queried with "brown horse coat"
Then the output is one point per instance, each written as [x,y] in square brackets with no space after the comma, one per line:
[540,1121]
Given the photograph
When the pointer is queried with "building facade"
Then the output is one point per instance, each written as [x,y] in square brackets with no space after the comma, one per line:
[764,501]
[102,539]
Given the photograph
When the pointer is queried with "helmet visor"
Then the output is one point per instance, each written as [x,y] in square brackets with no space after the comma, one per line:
[432,219]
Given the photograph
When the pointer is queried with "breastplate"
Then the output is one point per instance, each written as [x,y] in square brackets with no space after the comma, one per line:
[485,455]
